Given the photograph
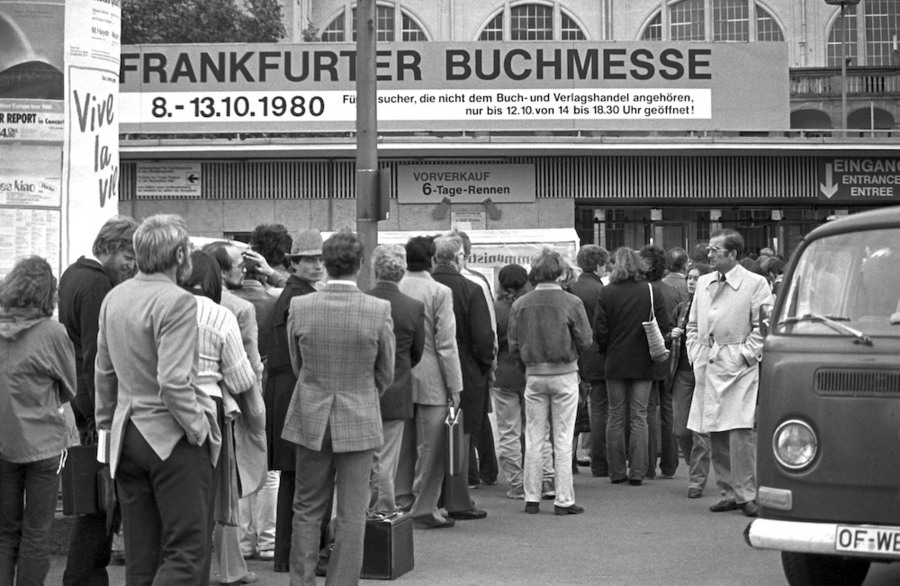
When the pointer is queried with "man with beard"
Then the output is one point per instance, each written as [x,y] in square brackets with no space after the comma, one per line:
[82,288]
[163,435]
[306,269]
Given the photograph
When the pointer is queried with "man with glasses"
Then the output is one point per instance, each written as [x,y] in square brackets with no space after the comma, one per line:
[725,348]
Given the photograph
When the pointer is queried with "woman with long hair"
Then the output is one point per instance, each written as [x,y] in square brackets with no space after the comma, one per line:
[623,305]
[695,447]
[36,379]
[225,374]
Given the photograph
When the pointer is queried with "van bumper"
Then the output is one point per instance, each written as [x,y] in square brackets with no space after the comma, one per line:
[818,538]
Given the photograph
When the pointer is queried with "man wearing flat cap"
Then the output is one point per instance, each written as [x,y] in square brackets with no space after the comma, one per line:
[306,270]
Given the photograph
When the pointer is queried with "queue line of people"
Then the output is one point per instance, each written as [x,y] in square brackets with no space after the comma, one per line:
[357,388]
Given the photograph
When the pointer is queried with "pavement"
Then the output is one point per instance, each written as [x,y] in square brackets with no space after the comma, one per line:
[644,535]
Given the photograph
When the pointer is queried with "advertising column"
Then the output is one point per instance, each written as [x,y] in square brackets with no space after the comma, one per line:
[58,127]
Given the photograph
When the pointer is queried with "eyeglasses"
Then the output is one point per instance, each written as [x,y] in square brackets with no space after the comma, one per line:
[715,249]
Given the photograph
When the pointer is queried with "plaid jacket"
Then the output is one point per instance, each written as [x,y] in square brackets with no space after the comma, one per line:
[342,349]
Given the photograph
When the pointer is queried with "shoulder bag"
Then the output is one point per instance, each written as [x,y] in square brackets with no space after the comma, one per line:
[658,350]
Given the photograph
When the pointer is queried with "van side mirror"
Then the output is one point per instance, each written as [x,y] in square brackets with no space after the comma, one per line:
[765,319]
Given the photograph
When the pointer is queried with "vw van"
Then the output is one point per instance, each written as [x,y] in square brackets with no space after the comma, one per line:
[828,448]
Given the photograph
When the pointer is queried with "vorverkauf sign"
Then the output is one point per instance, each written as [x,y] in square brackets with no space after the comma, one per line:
[489,86]
[465,183]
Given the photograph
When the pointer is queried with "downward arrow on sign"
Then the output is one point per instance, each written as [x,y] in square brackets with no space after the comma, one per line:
[829,188]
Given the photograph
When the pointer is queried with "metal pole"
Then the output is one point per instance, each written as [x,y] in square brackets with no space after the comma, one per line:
[843,73]
[366,137]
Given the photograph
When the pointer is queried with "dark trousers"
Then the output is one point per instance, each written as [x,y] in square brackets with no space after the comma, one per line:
[660,420]
[482,455]
[599,413]
[27,502]
[89,552]
[165,510]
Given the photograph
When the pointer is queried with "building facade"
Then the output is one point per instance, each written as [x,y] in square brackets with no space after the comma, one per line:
[615,185]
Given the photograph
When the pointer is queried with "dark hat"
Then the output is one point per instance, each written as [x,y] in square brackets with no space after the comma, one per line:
[513,277]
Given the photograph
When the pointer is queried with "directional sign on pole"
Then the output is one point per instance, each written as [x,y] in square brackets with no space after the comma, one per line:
[168,180]
[870,179]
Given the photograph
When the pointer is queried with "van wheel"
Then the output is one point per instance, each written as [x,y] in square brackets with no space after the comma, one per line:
[809,569]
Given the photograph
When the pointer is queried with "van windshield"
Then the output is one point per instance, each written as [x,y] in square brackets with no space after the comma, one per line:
[850,280]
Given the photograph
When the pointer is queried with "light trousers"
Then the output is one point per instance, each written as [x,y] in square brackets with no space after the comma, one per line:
[550,398]
[258,516]
[734,460]
[509,409]
[384,468]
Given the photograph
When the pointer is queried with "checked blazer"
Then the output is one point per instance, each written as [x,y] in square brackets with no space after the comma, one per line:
[342,349]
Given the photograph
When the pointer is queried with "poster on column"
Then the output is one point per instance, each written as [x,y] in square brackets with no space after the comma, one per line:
[91,150]
[32,66]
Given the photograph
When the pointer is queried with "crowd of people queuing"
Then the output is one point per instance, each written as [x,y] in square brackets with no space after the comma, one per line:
[254,402]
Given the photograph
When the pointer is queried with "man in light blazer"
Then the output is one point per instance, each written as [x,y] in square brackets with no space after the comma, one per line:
[342,348]
[436,381]
[408,315]
[164,439]
[725,348]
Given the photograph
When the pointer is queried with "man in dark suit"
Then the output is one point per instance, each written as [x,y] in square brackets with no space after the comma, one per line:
[592,261]
[475,339]
[163,435]
[408,314]
[306,270]
[341,343]
[82,288]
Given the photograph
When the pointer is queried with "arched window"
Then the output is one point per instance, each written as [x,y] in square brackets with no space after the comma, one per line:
[730,20]
[532,22]
[385,26]
[879,23]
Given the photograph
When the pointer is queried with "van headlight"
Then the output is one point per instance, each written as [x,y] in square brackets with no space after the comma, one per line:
[795,444]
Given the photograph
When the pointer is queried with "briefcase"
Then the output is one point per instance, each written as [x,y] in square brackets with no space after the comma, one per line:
[84,484]
[455,442]
[388,547]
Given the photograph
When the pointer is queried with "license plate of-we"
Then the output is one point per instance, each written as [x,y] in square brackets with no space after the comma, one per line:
[868,539]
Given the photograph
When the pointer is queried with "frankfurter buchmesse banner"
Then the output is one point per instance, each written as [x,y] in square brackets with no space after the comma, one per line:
[59,64]
[458,86]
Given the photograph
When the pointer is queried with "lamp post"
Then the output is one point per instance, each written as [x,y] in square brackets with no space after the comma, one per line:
[843,4]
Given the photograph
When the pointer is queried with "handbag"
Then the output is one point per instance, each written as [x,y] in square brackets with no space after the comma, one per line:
[658,350]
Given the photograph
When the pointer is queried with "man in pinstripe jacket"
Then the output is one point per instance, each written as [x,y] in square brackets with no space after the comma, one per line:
[342,349]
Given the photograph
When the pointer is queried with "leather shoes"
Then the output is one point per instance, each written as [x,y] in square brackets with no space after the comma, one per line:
[570,510]
[724,505]
[694,493]
[532,508]
[635,481]
[469,515]
[751,509]
[282,567]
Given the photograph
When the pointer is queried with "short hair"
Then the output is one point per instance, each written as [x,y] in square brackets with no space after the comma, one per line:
[676,259]
[700,254]
[629,265]
[655,259]
[30,284]
[446,247]
[419,253]
[467,242]
[590,257]
[219,252]
[389,262]
[157,242]
[733,240]
[204,275]
[273,242]
[342,254]
[115,235]
[547,266]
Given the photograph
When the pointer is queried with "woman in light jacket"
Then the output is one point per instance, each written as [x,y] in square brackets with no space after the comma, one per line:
[37,377]
[224,372]
[623,305]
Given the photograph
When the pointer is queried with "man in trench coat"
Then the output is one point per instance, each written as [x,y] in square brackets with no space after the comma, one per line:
[725,348]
